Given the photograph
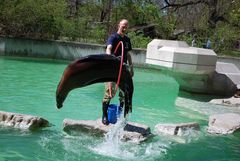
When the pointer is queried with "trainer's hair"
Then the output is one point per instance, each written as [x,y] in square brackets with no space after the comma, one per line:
[122,20]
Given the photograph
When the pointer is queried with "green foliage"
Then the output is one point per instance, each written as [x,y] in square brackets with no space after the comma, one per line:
[187,38]
[166,26]
[138,41]
[92,21]
[34,18]
[235,14]
[98,34]
[225,37]
[233,53]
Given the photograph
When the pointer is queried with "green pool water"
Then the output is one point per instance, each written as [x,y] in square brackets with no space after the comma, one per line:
[28,86]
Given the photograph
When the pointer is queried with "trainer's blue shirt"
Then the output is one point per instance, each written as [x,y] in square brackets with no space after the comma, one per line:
[114,39]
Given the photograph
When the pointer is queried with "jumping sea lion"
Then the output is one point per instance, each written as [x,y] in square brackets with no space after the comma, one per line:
[95,69]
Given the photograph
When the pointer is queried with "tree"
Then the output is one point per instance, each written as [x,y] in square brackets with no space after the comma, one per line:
[216,9]
[42,19]
[217,19]
[93,21]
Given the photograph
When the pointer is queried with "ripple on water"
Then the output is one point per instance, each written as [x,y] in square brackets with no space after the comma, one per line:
[28,86]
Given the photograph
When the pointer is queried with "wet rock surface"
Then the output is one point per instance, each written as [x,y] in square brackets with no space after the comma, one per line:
[22,121]
[224,123]
[131,132]
[176,129]
[232,101]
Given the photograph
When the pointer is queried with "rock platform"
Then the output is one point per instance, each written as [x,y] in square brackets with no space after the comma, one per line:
[132,131]
[232,102]
[224,123]
[175,129]
[22,121]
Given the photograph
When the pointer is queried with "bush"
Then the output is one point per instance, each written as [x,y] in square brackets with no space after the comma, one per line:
[42,19]
[138,41]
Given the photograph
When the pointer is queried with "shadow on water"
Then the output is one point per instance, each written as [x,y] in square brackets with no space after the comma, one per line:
[199,97]
[36,60]
[179,77]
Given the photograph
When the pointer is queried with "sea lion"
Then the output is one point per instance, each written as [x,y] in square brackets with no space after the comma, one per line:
[95,69]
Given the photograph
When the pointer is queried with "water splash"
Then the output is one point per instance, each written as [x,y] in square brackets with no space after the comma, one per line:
[187,136]
[183,136]
[114,146]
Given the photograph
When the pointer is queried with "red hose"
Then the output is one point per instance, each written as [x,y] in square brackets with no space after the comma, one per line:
[120,71]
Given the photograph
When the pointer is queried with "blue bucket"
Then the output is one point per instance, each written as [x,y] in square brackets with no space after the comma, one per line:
[113,113]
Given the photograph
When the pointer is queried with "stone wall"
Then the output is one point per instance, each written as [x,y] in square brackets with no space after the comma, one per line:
[70,50]
[58,49]
[233,60]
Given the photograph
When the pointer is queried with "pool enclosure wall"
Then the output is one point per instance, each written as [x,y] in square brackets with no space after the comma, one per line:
[58,49]
[199,73]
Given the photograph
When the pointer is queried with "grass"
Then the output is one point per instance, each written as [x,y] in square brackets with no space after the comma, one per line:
[233,53]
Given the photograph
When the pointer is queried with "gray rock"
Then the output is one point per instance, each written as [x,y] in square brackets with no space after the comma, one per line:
[21,121]
[233,102]
[175,129]
[224,123]
[131,132]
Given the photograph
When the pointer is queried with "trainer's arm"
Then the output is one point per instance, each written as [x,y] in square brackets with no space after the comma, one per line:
[109,49]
